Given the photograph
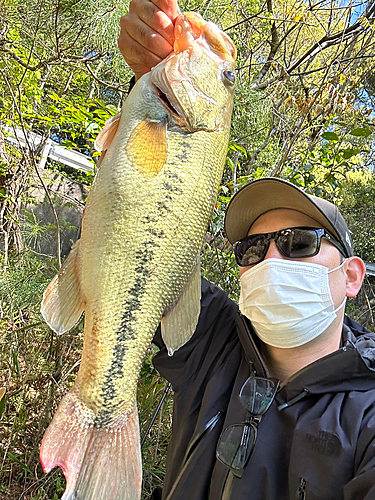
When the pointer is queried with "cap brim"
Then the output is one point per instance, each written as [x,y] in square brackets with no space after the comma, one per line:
[263,195]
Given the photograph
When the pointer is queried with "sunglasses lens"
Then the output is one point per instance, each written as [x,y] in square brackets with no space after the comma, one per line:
[257,394]
[295,243]
[251,250]
[298,243]
[235,445]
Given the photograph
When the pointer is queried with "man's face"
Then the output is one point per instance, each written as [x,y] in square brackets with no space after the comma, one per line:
[328,255]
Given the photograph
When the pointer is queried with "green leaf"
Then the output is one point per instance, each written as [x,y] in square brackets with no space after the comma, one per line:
[361,132]
[15,459]
[242,149]
[54,97]
[310,178]
[332,181]
[349,152]
[330,136]
[2,405]
[16,363]
[230,163]
[92,127]
[102,113]
[27,327]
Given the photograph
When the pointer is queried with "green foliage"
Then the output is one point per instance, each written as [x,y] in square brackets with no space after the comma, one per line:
[358,207]
[76,123]
[26,344]
[217,258]
[151,388]
[37,369]
[322,170]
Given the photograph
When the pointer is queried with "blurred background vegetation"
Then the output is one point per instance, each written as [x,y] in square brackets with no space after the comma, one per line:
[303,111]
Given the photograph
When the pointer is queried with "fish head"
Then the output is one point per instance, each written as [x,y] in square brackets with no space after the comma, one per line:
[196,81]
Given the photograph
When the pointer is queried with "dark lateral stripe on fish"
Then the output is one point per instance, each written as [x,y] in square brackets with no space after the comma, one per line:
[126,331]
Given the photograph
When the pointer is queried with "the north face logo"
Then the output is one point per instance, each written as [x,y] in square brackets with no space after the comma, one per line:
[325,443]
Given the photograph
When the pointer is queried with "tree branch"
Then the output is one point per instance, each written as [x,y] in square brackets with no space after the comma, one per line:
[274,43]
[102,82]
[329,40]
[52,60]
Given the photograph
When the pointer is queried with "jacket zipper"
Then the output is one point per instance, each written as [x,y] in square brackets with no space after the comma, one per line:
[249,347]
[304,393]
[301,493]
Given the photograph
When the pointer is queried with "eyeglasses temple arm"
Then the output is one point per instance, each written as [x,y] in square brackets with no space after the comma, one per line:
[336,243]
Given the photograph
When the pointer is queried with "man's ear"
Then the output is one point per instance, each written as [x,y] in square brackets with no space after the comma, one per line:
[355,272]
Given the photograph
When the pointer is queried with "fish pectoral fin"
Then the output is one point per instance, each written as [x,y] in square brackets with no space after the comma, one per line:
[99,462]
[62,304]
[106,135]
[179,323]
[147,147]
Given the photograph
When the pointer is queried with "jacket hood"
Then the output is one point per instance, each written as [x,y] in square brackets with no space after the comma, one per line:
[350,368]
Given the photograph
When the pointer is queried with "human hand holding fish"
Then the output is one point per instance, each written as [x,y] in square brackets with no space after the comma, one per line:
[137,262]
[147,33]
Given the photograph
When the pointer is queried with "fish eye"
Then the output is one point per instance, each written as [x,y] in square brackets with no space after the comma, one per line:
[230,76]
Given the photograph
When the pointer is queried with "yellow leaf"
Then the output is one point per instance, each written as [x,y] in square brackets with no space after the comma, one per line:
[342,79]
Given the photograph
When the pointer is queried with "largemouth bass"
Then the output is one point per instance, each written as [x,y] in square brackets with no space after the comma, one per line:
[137,261]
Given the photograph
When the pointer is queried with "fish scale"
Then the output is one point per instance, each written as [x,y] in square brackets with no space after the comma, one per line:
[137,261]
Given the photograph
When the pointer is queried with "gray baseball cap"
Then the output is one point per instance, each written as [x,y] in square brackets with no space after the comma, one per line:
[271,193]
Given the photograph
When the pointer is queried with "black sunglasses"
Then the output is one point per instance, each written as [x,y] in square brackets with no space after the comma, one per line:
[292,242]
[237,441]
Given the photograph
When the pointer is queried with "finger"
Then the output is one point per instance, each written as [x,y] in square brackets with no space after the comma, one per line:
[141,34]
[140,59]
[153,17]
[169,7]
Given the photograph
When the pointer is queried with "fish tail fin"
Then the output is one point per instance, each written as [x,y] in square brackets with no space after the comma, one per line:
[98,462]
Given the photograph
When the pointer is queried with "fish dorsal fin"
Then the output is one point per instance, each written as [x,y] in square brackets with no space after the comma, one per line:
[147,147]
[190,26]
[219,42]
[178,324]
[107,134]
[62,304]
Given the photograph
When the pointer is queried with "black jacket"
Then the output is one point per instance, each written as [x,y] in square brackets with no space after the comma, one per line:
[315,442]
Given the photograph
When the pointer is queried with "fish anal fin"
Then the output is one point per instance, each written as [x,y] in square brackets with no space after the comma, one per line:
[62,304]
[147,147]
[98,462]
[106,135]
[179,322]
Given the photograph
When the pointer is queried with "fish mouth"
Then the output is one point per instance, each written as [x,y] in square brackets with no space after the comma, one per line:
[172,107]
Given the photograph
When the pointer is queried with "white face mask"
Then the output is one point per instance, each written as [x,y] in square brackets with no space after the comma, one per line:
[288,302]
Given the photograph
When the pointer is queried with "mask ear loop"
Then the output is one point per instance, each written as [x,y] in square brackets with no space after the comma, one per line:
[331,271]
[341,305]
[338,267]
